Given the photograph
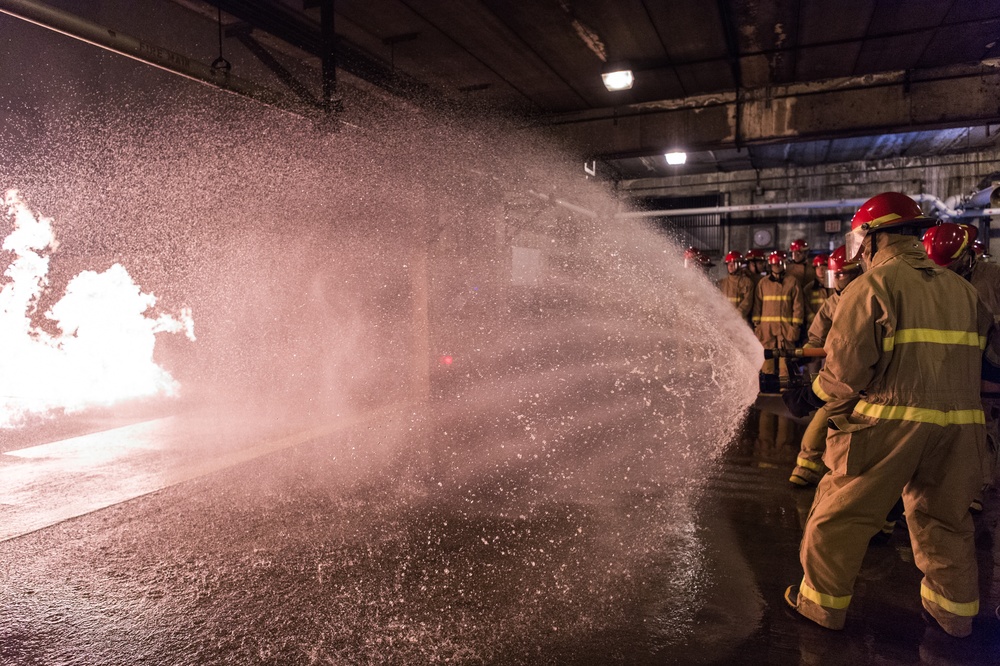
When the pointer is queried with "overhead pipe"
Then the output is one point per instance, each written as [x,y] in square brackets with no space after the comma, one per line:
[564,204]
[985,198]
[980,212]
[851,204]
[73,26]
[940,206]
[718,210]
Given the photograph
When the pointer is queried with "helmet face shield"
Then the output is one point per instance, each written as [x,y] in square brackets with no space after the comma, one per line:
[831,280]
[852,242]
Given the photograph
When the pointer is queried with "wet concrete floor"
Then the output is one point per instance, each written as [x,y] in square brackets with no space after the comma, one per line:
[309,552]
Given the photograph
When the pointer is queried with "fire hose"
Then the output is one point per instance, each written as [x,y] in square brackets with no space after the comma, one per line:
[796,377]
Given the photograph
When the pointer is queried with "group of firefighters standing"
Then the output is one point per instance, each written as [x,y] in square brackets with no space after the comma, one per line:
[903,411]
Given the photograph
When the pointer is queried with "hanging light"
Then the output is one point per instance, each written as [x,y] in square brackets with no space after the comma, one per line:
[618,78]
[676,158]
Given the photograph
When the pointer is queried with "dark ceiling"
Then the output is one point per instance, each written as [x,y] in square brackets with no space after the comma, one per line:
[738,83]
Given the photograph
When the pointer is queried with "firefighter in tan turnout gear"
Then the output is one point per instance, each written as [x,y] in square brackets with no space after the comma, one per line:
[738,287]
[817,290]
[778,310]
[809,467]
[756,265]
[953,246]
[901,386]
[798,267]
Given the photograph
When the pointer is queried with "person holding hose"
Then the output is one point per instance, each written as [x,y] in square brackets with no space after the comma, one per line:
[901,388]
[809,467]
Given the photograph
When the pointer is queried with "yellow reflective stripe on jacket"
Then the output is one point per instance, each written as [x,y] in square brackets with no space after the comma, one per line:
[781,320]
[820,393]
[778,298]
[967,609]
[921,414]
[734,299]
[934,336]
[809,464]
[825,600]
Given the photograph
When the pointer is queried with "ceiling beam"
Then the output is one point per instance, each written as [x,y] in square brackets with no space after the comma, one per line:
[881,103]
[304,33]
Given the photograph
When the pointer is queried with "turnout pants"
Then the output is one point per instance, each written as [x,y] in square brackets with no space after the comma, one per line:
[938,470]
[809,464]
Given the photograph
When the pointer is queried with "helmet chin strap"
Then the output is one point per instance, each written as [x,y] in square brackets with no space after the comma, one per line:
[965,265]
[868,257]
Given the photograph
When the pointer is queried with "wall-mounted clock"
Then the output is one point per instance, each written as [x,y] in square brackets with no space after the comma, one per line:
[762,237]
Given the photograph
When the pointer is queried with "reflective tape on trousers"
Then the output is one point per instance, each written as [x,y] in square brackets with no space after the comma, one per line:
[934,336]
[966,609]
[809,464]
[825,600]
[921,414]
[781,320]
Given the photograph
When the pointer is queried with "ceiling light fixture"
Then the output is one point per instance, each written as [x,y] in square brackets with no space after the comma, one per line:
[676,158]
[618,79]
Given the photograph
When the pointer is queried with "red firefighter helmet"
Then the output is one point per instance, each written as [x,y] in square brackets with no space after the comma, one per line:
[776,257]
[733,255]
[838,263]
[691,257]
[947,242]
[978,248]
[798,245]
[755,255]
[882,212]
[820,260]
[705,260]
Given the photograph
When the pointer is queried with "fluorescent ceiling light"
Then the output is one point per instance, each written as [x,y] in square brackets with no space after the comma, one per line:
[619,80]
[676,158]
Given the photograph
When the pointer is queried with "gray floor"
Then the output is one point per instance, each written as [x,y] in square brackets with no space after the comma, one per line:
[305,555]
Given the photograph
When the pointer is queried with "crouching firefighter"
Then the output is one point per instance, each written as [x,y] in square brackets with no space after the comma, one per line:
[901,388]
